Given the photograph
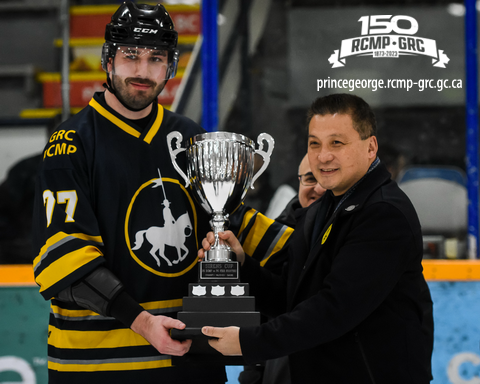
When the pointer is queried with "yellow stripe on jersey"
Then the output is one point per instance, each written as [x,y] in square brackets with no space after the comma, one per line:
[155,127]
[246,218]
[66,265]
[115,120]
[162,304]
[72,313]
[115,338]
[127,366]
[256,233]
[60,238]
[84,313]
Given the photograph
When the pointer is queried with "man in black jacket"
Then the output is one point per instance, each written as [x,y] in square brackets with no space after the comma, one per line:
[354,306]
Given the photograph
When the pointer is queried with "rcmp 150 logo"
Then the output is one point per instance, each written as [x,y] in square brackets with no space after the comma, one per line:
[384,36]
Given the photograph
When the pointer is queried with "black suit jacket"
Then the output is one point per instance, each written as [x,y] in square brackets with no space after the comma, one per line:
[358,309]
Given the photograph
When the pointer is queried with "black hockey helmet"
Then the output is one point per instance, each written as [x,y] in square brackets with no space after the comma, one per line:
[145,26]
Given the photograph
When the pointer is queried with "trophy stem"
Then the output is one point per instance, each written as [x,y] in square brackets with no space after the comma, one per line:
[218,222]
[219,252]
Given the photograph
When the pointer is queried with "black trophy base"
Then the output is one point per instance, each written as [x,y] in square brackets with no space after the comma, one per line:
[216,304]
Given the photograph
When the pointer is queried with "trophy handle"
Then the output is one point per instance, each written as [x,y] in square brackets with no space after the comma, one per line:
[173,154]
[265,155]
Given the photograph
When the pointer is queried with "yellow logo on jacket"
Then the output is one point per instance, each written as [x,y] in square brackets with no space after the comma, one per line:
[327,232]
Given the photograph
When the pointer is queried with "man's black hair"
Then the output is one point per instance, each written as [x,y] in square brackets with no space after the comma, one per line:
[347,104]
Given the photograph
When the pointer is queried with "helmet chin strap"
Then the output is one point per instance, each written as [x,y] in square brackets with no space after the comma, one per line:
[109,87]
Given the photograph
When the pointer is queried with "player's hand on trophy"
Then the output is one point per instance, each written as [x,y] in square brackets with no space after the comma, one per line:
[224,340]
[156,330]
[228,238]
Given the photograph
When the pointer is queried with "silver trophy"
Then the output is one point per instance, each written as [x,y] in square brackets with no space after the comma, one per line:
[220,170]
[220,167]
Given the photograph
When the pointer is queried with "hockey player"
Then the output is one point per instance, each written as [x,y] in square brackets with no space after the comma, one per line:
[114,267]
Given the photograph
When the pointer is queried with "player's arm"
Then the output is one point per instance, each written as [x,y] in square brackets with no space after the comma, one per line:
[261,237]
[99,291]
[102,292]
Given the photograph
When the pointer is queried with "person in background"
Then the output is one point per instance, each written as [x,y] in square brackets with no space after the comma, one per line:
[309,191]
[393,159]
[16,206]
[358,309]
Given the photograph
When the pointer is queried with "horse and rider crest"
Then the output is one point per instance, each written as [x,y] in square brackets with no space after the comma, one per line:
[173,233]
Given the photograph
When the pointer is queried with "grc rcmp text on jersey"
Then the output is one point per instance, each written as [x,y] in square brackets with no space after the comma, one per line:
[64,147]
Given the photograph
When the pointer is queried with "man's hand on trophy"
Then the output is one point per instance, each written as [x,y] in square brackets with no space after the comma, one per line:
[156,330]
[224,340]
[228,238]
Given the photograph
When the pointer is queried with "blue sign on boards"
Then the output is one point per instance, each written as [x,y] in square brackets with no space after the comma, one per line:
[23,335]
[456,310]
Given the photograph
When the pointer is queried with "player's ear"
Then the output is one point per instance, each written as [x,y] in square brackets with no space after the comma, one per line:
[110,65]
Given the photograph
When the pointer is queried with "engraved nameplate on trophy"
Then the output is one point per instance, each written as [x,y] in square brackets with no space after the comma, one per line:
[226,270]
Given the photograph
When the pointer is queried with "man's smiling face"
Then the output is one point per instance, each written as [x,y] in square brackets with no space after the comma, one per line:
[337,155]
[138,75]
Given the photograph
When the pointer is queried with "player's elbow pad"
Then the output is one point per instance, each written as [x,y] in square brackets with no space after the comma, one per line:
[95,292]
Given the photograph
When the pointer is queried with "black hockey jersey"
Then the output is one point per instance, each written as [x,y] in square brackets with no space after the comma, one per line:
[108,194]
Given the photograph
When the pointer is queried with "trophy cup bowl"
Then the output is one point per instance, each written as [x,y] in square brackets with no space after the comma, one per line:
[220,168]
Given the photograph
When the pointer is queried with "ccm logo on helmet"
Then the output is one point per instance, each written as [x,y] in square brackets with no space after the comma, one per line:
[145,30]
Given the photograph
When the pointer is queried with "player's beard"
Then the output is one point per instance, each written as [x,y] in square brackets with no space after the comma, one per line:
[136,100]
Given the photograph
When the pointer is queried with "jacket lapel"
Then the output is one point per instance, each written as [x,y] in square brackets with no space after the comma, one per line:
[310,218]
